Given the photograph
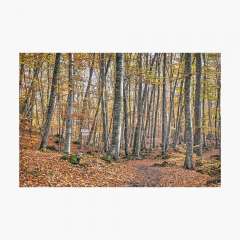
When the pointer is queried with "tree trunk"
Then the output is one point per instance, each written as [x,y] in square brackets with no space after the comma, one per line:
[171,111]
[179,116]
[68,137]
[156,118]
[125,105]
[188,115]
[137,134]
[203,103]
[198,107]
[94,121]
[84,105]
[103,103]
[164,109]
[117,107]
[51,103]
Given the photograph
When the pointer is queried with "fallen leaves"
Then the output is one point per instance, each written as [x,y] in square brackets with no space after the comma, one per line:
[48,169]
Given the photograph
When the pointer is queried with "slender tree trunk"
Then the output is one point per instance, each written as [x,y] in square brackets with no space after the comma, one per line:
[179,116]
[69,121]
[51,103]
[171,111]
[217,113]
[188,115]
[147,118]
[84,106]
[103,103]
[156,118]
[117,107]
[152,119]
[164,109]
[94,121]
[133,117]
[125,105]
[137,134]
[203,104]
[144,102]
[198,107]
[21,75]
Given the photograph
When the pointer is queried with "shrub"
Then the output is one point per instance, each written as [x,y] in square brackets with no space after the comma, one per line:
[74,159]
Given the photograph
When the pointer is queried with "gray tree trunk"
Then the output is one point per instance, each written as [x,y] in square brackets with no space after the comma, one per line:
[51,103]
[149,108]
[179,116]
[198,107]
[188,114]
[68,137]
[203,103]
[218,108]
[171,111]
[164,109]
[103,103]
[156,117]
[84,105]
[117,107]
[125,105]
[94,121]
[137,133]
[133,117]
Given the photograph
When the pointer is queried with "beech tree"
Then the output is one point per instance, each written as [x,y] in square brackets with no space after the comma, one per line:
[198,107]
[51,103]
[164,109]
[68,138]
[104,102]
[117,107]
[137,135]
[188,113]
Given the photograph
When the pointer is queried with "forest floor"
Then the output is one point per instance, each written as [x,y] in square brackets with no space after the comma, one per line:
[39,169]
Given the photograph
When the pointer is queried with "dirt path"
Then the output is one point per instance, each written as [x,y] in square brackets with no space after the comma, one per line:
[155,176]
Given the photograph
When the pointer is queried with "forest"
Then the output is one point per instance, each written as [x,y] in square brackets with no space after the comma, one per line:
[120,119]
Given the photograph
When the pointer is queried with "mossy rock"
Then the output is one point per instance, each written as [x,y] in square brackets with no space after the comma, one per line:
[108,158]
[164,164]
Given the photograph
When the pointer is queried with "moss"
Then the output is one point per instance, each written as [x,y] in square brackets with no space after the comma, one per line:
[64,157]
[164,164]
[107,158]
[74,159]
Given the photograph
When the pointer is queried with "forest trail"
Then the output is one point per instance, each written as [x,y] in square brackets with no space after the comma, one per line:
[157,172]
[48,169]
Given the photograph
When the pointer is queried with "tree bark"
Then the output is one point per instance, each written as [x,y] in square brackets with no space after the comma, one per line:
[103,103]
[188,115]
[84,105]
[137,134]
[69,121]
[117,107]
[179,116]
[198,107]
[203,103]
[164,109]
[51,103]
[125,105]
